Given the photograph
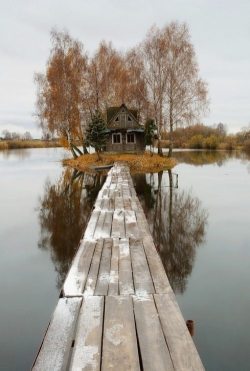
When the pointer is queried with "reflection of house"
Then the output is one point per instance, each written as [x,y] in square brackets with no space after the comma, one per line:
[125,132]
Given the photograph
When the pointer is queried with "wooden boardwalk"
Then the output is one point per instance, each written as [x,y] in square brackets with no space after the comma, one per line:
[118,311]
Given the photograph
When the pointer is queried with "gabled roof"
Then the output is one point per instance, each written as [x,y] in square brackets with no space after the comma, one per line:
[113,111]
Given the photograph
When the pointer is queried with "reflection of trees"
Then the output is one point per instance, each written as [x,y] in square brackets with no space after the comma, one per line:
[199,158]
[64,212]
[20,154]
[177,223]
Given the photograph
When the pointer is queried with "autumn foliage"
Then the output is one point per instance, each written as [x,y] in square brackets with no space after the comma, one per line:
[159,78]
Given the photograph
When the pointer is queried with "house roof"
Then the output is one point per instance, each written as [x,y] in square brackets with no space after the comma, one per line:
[112,111]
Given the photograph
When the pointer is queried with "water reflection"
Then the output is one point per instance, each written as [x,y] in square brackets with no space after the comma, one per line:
[64,212]
[177,222]
[202,157]
[20,154]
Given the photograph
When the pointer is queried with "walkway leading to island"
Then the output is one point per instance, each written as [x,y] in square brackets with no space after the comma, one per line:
[117,311]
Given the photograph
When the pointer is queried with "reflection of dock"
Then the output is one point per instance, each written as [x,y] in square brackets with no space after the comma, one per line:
[117,311]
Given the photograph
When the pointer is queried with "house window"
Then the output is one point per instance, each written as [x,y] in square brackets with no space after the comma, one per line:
[129,118]
[130,138]
[116,138]
[117,119]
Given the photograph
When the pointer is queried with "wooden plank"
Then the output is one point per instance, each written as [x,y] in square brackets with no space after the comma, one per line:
[131,226]
[106,229]
[105,204]
[99,225]
[142,222]
[153,348]
[127,203]
[89,232]
[94,268]
[119,203]
[98,204]
[104,271]
[76,278]
[86,353]
[112,203]
[182,349]
[142,277]
[119,343]
[118,224]
[157,271]
[113,283]
[126,285]
[56,346]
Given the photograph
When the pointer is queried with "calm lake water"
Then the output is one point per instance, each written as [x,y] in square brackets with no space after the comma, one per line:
[200,222]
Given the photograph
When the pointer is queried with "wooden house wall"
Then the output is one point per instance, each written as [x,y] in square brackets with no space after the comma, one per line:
[138,146]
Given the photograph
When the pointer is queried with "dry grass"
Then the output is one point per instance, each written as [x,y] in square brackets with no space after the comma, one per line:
[21,144]
[138,163]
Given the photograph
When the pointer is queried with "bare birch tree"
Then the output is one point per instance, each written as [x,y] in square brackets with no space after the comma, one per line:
[59,97]
[177,93]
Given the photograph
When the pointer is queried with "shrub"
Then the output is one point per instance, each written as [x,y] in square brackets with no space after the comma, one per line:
[211,142]
[246,145]
[196,142]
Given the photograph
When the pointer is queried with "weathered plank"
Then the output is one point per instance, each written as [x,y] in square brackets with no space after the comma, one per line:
[106,229]
[126,285]
[131,226]
[89,232]
[105,204]
[56,346]
[183,352]
[76,278]
[87,348]
[118,224]
[114,278]
[99,225]
[157,271]
[127,203]
[119,343]
[142,277]
[119,203]
[153,348]
[94,268]
[104,271]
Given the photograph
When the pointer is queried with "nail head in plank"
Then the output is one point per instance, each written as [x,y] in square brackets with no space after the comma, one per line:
[153,347]
[181,346]
[87,348]
[119,342]
[56,346]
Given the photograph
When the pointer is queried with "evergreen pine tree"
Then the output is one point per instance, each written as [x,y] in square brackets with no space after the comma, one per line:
[96,134]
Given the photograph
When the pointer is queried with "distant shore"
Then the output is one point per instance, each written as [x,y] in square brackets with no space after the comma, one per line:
[33,143]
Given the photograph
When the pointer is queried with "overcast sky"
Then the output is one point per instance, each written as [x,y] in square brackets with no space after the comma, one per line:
[220,31]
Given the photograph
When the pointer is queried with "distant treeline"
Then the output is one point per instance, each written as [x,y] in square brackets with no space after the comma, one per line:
[33,143]
[206,137]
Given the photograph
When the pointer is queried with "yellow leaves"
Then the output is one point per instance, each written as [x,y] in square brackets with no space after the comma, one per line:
[138,163]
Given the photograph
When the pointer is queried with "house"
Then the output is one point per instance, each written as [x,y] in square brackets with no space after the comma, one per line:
[125,132]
